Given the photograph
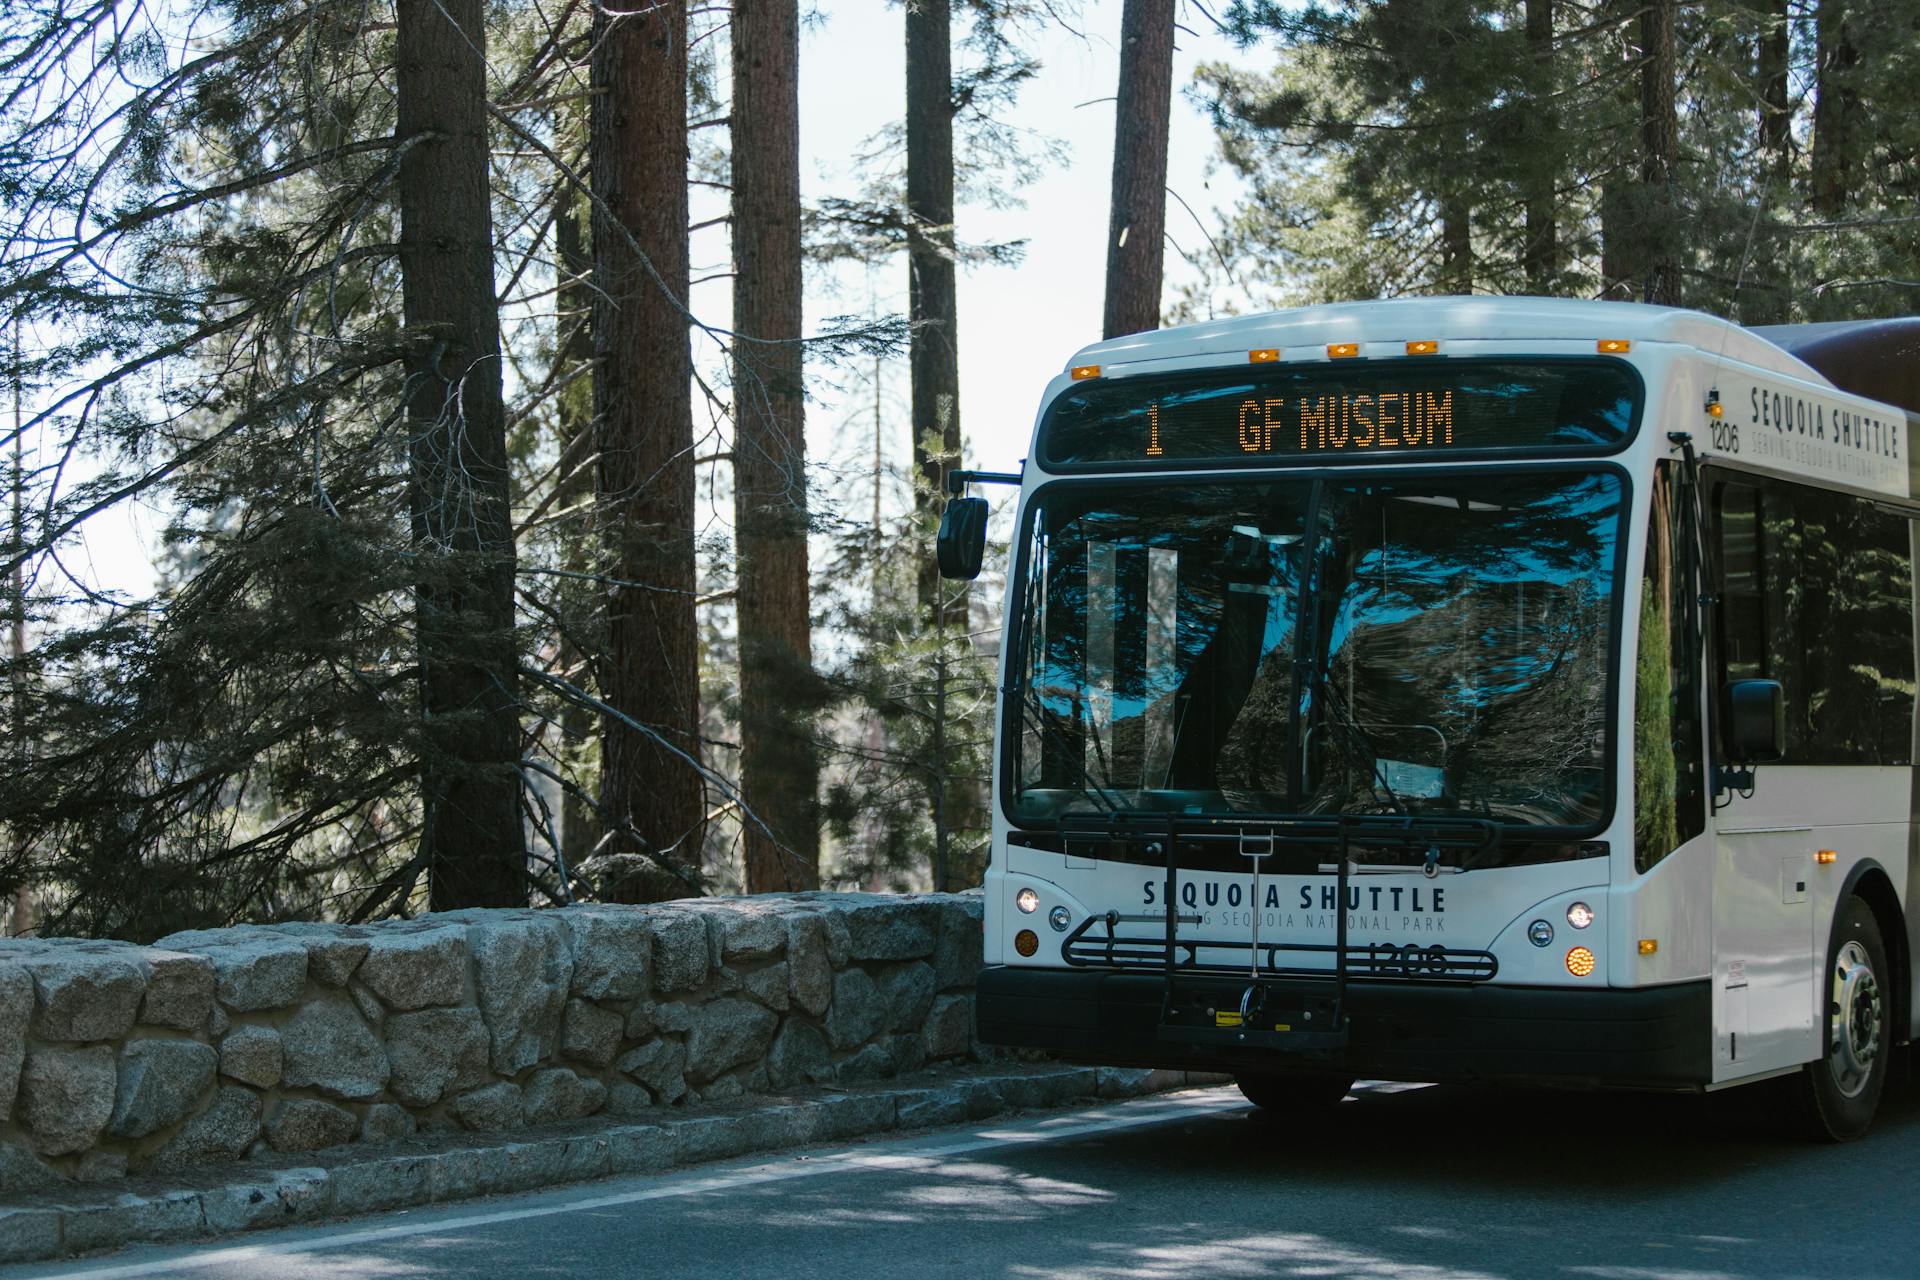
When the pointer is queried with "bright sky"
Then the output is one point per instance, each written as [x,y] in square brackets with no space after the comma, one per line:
[1018,325]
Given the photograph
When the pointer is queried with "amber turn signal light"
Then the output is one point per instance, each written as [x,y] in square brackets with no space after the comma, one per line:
[1826,857]
[1649,945]
[1026,942]
[1580,962]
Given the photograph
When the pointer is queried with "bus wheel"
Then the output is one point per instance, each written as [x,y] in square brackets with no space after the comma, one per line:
[1295,1094]
[1838,1095]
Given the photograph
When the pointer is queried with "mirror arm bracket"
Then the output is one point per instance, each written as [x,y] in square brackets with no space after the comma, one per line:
[957,481]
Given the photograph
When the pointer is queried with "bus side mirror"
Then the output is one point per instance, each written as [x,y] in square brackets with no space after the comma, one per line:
[1756,721]
[962,541]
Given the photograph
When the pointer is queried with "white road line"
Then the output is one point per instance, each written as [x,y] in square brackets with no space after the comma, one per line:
[920,1160]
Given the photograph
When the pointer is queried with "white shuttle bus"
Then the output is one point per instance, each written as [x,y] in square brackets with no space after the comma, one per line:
[1501,689]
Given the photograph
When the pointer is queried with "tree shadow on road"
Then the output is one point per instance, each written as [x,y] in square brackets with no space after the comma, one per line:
[1408,1182]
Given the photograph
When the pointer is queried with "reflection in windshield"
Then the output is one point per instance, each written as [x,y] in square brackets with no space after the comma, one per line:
[1426,645]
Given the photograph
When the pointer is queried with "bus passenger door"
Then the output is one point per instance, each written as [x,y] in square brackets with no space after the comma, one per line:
[1762,943]
[1763,967]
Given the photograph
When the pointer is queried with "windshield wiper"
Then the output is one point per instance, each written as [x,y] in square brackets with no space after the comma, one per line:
[1035,712]
[1308,662]
[1351,735]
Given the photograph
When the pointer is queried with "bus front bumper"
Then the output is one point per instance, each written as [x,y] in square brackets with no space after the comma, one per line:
[1648,1037]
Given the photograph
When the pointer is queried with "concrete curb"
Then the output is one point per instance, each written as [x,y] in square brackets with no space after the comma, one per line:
[439,1170]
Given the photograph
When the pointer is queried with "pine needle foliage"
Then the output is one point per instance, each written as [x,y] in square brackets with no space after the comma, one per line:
[1500,146]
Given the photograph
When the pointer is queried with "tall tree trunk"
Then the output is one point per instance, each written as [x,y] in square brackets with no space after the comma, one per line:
[475,851]
[1764,294]
[779,772]
[1456,245]
[1836,108]
[1616,258]
[932,304]
[1620,263]
[579,829]
[934,356]
[1540,257]
[1659,142]
[22,923]
[643,409]
[1772,68]
[1137,225]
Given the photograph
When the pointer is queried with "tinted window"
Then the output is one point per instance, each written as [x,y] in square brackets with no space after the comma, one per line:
[1668,771]
[1817,593]
[1433,643]
[1743,626]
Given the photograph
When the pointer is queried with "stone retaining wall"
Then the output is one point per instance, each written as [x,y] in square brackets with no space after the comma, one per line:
[216,1045]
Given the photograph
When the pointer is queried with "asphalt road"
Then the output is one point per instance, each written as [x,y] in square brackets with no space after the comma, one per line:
[1425,1183]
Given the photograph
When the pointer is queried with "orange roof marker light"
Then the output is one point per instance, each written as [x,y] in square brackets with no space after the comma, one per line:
[1342,350]
[1081,372]
[1423,347]
[1265,355]
[1614,346]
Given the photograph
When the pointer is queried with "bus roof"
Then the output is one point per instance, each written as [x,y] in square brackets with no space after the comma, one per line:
[1879,359]
[1457,318]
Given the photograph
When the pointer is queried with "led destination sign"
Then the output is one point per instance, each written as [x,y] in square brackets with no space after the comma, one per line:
[1321,414]
[1414,419]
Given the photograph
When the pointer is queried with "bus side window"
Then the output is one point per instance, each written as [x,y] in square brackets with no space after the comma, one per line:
[1668,765]
[1762,594]
[1855,627]
[1816,592]
[1742,625]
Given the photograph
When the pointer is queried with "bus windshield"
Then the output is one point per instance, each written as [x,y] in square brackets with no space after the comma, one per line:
[1426,644]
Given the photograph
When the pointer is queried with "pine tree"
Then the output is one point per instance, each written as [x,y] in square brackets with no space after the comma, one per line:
[1136,229]
[1540,255]
[651,792]
[779,774]
[1621,150]
[273,731]
[212,321]
[577,640]
[1837,141]
[932,287]
[1658,208]
[458,484]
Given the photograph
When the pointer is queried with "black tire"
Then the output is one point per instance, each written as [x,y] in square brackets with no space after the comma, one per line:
[1294,1094]
[1836,1097]
[1900,1072]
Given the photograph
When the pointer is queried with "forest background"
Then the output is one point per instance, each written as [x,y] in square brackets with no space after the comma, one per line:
[452,361]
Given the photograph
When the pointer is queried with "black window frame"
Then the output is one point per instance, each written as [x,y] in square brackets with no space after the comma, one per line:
[1015,634]
[1687,665]
[1804,750]
[1214,374]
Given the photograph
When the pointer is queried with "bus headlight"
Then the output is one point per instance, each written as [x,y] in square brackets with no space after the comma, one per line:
[1540,933]
[1060,918]
[1028,901]
[1579,915]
